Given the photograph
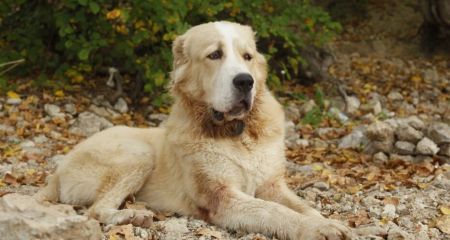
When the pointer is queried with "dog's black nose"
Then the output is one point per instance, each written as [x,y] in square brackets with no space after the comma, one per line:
[243,82]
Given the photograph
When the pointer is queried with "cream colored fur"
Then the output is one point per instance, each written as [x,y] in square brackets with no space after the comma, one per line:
[191,166]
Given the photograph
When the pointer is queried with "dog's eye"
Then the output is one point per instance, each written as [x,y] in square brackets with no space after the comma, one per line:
[248,57]
[215,55]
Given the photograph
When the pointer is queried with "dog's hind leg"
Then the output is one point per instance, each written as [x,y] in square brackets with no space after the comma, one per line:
[114,192]
[50,192]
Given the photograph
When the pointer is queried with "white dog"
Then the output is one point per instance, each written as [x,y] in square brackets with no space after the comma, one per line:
[220,156]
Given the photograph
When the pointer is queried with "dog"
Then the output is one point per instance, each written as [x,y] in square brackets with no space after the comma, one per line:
[219,157]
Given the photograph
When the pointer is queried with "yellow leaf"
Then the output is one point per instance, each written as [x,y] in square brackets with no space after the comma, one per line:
[317,167]
[2,184]
[30,171]
[66,149]
[445,210]
[113,14]
[12,94]
[443,223]
[416,78]
[59,93]
[423,185]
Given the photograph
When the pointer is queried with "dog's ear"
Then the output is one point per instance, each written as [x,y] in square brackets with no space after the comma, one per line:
[179,55]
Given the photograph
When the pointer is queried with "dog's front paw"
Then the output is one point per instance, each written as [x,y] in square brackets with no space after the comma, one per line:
[324,229]
[139,218]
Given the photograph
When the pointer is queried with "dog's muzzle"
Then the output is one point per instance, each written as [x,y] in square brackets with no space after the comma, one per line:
[238,111]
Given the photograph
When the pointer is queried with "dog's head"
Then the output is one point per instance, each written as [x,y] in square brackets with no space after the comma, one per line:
[217,64]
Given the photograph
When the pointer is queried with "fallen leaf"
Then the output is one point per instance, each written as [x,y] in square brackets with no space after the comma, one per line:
[445,210]
[391,200]
[59,93]
[12,94]
[10,179]
[443,223]
[125,231]
[208,232]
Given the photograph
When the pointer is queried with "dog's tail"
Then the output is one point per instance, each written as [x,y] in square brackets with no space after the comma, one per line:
[50,192]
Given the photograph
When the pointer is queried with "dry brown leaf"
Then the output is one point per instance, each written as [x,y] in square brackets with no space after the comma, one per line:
[445,210]
[10,179]
[208,232]
[122,232]
[359,218]
[443,223]
[391,200]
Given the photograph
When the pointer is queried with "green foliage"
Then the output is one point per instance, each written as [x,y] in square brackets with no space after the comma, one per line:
[316,115]
[70,40]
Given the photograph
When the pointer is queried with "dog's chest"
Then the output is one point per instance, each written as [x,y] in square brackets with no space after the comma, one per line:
[254,167]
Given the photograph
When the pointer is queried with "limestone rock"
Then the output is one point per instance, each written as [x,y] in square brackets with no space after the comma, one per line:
[22,217]
[439,133]
[445,149]
[407,133]
[403,147]
[380,157]
[88,123]
[427,147]
[355,139]
[380,131]
[352,104]
[395,96]
[292,112]
[307,106]
[121,105]
[53,110]
[380,146]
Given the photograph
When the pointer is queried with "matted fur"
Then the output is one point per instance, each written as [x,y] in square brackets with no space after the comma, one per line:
[228,173]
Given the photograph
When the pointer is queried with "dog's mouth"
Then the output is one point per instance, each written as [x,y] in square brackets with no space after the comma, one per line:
[238,111]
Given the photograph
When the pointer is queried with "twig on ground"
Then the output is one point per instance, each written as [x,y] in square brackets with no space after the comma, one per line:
[13,64]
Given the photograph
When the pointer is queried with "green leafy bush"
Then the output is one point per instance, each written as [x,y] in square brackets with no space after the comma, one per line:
[67,41]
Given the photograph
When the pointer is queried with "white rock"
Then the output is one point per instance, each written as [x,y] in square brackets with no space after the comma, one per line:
[395,96]
[88,123]
[380,131]
[121,105]
[175,228]
[39,139]
[427,147]
[70,108]
[158,117]
[322,186]
[352,104]
[307,106]
[380,157]
[445,149]
[388,211]
[292,112]
[403,147]
[27,144]
[22,217]
[355,139]
[53,110]
[340,116]
[6,129]
[13,101]
[407,133]
[295,143]
[439,133]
